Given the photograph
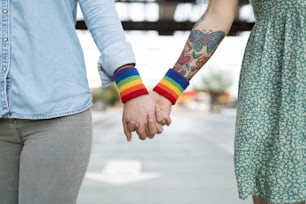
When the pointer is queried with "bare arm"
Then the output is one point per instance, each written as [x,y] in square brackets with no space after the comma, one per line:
[203,40]
[205,36]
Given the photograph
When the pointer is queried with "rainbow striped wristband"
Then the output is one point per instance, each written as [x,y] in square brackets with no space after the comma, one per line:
[129,84]
[172,85]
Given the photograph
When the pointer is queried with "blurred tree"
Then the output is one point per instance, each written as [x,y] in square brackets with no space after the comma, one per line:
[215,82]
[103,97]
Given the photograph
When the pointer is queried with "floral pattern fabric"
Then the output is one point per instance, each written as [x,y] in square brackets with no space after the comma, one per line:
[270,135]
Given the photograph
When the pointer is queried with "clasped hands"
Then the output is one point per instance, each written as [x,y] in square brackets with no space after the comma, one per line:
[146,115]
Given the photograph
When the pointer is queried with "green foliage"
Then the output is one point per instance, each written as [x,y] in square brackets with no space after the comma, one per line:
[215,82]
[107,95]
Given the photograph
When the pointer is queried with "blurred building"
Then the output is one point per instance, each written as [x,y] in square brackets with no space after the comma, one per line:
[168,16]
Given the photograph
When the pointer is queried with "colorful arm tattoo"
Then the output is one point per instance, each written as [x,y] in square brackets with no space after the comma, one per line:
[198,49]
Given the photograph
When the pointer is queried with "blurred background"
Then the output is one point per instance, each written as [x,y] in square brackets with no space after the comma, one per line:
[191,162]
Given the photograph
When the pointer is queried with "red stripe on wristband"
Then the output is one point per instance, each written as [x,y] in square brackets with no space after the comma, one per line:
[166,93]
[134,94]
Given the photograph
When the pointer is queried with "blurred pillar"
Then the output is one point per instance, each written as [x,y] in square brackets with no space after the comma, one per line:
[167,10]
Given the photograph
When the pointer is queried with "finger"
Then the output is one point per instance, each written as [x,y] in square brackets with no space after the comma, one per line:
[127,133]
[168,120]
[141,132]
[160,128]
[131,126]
[152,130]
[158,115]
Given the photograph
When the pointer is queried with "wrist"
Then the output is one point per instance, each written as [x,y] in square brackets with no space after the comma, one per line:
[172,85]
[125,66]
[129,83]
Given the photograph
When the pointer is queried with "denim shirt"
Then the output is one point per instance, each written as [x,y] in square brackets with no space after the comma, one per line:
[42,69]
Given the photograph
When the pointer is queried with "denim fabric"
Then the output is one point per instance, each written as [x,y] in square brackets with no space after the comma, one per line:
[42,69]
[44,161]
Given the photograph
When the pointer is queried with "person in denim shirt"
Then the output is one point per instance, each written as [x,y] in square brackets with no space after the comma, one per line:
[45,121]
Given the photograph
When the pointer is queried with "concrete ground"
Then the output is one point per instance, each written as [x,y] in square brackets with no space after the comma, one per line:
[191,162]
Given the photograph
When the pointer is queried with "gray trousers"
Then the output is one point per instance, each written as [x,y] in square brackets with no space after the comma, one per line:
[44,161]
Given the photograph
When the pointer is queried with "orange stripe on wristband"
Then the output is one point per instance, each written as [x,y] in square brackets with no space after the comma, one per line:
[132,89]
[169,90]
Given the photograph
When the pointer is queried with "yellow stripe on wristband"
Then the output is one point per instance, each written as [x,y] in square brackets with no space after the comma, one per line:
[130,84]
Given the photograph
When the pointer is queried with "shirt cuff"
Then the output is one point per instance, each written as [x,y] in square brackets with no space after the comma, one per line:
[111,58]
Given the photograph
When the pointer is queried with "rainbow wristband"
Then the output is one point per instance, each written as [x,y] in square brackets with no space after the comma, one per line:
[172,85]
[129,84]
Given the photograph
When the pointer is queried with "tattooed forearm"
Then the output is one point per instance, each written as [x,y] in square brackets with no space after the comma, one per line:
[198,49]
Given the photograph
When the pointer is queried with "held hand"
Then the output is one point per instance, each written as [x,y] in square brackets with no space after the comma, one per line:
[138,115]
[162,108]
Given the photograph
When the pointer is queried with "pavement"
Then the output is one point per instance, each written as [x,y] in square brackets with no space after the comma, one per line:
[191,162]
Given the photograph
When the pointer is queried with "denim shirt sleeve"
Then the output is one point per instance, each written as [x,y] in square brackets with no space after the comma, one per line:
[103,22]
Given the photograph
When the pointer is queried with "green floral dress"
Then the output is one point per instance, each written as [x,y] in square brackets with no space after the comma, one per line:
[270,135]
